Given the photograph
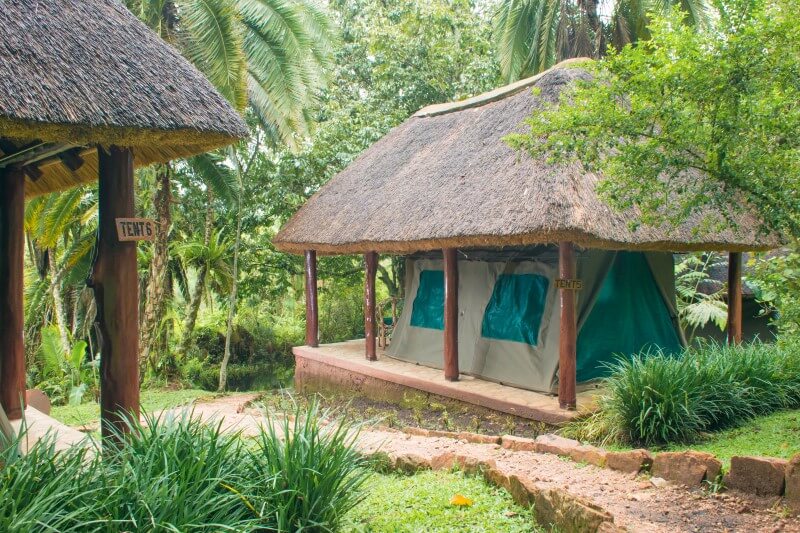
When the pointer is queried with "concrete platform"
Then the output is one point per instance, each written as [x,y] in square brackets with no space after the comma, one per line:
[38,425]
[342,366]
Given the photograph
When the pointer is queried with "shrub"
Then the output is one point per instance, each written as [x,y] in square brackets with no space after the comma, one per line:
[307,472]
[240,377]
[657,399]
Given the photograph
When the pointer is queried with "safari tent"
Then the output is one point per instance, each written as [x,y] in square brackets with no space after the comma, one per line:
[497,244]
[509,313]
[89,93]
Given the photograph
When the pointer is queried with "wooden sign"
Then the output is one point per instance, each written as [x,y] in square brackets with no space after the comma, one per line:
[135,229]
[569,284]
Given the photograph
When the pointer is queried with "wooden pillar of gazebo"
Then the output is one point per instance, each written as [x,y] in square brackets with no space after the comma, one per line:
[451,372]
[371,261]
[567,354]
[116,288]
[734,298]
[12,238]
[312,309]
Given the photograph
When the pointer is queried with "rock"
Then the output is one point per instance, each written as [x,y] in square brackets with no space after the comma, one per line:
[590,455]
[465,463]
[659,482]
[633,461]
[554,444]
[444,434]
[38,400]
[477,438]
[793,483]
[518,444]
[570,514]
[523,490]
[687,468]
[410,463]
[763,476]
[497,477]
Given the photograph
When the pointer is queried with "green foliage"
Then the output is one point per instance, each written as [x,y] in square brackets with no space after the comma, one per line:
[308,474]
[777,281]
[62,373]
[723,104]
[422,503]
[533,35]
[176,473]
[697,308]
[654,399]
[241,377]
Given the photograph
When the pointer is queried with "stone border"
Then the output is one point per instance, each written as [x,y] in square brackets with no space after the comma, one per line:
[762,476]
[550,507]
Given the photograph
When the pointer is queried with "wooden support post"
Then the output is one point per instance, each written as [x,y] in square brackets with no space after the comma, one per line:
[734,298]
[116,291]
[567,354]
[12,253]
[451,372]
[371,260]
[312,309]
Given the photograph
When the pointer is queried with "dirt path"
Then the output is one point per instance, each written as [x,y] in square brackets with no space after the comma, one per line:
[635,502]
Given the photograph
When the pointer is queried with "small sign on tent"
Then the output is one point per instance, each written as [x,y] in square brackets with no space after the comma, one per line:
[135,229]
[569,284]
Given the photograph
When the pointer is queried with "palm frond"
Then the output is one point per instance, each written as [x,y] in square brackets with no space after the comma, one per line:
[214,44]
[220,178]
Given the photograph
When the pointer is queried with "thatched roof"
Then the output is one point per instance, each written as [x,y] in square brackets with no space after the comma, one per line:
[445,178]
[74,74]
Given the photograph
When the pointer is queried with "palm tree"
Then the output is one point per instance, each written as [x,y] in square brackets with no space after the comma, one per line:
[268,55]
[533,35]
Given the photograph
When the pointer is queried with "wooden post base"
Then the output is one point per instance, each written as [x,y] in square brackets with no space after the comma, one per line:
[12,253]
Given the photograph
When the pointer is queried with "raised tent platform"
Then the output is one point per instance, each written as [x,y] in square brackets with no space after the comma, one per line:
[342,366]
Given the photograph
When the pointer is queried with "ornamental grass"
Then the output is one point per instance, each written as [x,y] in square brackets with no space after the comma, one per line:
[177,473]
[656,399]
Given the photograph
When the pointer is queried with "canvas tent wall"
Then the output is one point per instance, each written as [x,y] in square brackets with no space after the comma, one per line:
[509,313]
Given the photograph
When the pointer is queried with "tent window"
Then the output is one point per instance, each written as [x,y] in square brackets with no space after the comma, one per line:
[514,312]
[428,309]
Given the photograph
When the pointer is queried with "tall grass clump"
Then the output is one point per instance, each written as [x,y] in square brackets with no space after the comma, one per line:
[177,473]
[656,399]
[45,489]
[306,469]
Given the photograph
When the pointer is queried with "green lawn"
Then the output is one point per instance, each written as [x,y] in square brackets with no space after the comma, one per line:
[776,435]
[151,399]
[398,503]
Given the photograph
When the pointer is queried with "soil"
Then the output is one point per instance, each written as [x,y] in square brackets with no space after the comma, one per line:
[428,412]
[636,503]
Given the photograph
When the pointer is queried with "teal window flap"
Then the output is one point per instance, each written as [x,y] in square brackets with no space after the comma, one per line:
[629,316]
[514,312]
[428,309]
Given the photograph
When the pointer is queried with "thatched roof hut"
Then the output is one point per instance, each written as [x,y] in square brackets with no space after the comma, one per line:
[88,92]
[76,74]
[445,178]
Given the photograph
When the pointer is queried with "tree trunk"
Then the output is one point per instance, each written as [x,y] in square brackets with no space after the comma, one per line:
[156,284]
[199,287]
[58,304]
[590,8]
[223,369]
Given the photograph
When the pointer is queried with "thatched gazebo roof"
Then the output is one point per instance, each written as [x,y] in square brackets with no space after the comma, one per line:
[74,74]
[446,179]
